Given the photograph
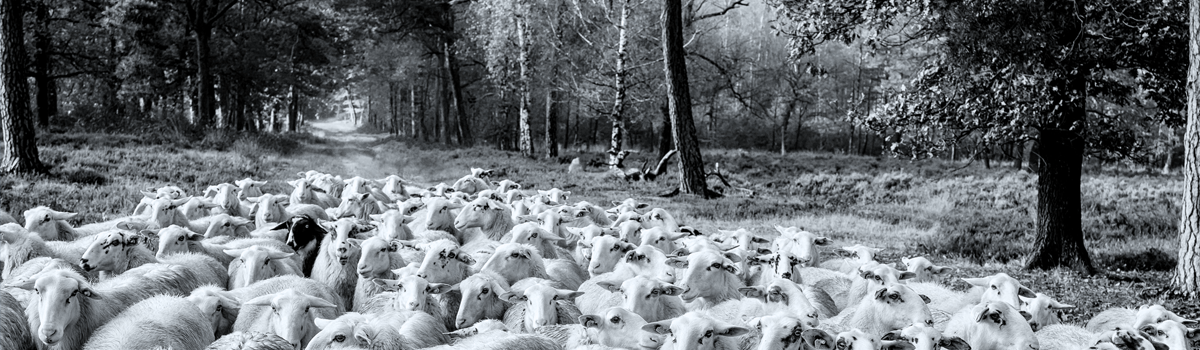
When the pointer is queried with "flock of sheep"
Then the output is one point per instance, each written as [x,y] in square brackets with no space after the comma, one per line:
[386,264]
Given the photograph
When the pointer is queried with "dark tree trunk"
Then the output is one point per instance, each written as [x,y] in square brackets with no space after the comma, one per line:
[552,106]
[47,88]
[1019,153]
[1187,270]
[443,119]
[666,142]
[204,69]
[691,165]
[293,118]
[16,120]
[1059,239]
[460,104]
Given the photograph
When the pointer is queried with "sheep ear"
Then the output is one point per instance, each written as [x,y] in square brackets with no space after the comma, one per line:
[822,241]
[463,333]
[672,290]
[937,270]
[567,294]
[1158,346]
[610,286]
[437,288]
[893,335]
[817,339]
[264,300]
[22,283]
[386,284]
[465,258]
[954,343]
[677,263]
[1026,292]
[660,327]
[907,275]
[132,225]
[759,240]
[512,297]
[925,298]
[896,345]
[731,331]
[321,322]
[752,292]
[980,282]
[733,257]
[320,303]
[1054,304]
[527,218]
[1026,315]
[589,321]
[234,252]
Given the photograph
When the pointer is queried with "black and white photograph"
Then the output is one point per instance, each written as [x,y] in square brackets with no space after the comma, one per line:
[600,174]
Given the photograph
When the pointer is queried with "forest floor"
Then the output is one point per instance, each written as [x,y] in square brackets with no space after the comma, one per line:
[961,214]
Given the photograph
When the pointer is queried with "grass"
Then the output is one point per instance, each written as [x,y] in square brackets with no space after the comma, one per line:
[979,220]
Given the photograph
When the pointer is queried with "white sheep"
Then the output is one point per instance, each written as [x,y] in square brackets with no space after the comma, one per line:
[379,258]
[115,252]
[871,276]
[999,287]
[23,245]
[336,261]
[14,331]
[697,331]
[222,225]
[587,213]
[162,321]
[515,262]
[1175,335]
[355,331]
[249,188]
[853,339]
[219,305]
[542,239]
[1064,337]
[268,210]
[627,205]
[710,279]
[924,337]
[411,293]
[480,298]
[471,184]
[288,313]
[777,332]
[1125,339]
[445,262]
[993,325]
[651,299]
[438,214]
[887,309]
[1130,319]
[359,205]
[393,225]
[1044,310]
[393,187]
[177,240]
[803,243]
[52,225]
[862,254]
[606,252]
[225,197]
[257,263]
[303,193]
[537,304]
[784,296]
[925,270]
[250,341]
[32,268]
[493,219]
[619,328]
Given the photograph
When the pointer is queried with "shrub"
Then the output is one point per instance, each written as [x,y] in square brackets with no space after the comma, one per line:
[981,236]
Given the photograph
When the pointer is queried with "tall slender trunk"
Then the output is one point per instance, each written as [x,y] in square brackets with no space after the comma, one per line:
[691,165]
[666,140]
[1059,239]
[47,87]
[463,127]
[412,109]
[293,110]
[16,120]
[1019,154]
[618,114]
[203,28]
[787,116]
[526,142]
[1187,270]
[552,106]
[443,120]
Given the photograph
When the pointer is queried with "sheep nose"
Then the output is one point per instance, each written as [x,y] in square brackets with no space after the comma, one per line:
[540,322]
[460,323]
[422,275]
[47,333]
[412,305]
[787,275]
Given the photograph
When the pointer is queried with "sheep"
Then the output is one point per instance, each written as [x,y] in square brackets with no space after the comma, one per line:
[225,197]
[626,206]
[710,279]
[515,262]
[258,263]
[304,236]
[268,209]
[35,266]
[115,252]
[999,287]
[555,195]
[501,340]
[52,225]
[483,326]
[888,309]
[802,243]
[168,192]
[590,214]
[606,252]
[659,238]
[333,185]
[14,331]
[249,188]
[23,245]
[1151,314]
[778,332]
[393,187]
[629,230]
[145,325]
[176,240]
[355,331]
[620,328]
[219,305]
[809,304]
[871,276]
[1125,339]
[924,269]
[359,205]
[393,225]
[439,215]
[492,218]
[221,225]
[440,190]
[291,316]
[923,337]
[333,263]
[696,331]
[537,304]
[542,239]
[993,325]
[166,212]
[1064,337]
[854,339]
[480,298]
[862,253]
[250,341]
[6,218]
[1044,310]
[355,186]
[783,264]
[68,309]
[414,293]
[1124,318]
[471,184]
[1174,335]
[379,257]
[303,193]
[661,218]
[651,299]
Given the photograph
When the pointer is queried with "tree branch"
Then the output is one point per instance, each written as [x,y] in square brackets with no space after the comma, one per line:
[722,12]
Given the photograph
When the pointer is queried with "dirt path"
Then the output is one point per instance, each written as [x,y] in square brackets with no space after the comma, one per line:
[341,130]
[351,149]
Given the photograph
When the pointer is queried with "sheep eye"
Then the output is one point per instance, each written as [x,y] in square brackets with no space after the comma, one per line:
[450,255]
[615,319]
[515,255]
[220,308]
[339,338]
[994,287]
[484,291]
[74,293]
[47,219]
[306,310]
[716,265]
[708,333]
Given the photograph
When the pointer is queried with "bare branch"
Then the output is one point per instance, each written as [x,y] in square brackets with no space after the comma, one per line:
[722,12]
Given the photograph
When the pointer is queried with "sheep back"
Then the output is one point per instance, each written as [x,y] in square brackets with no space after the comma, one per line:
[145,325]
[14,331]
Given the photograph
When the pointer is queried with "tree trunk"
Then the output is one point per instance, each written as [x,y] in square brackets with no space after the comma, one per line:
[691,165]
[526,141]
[443,120]
[618,116]
[16,120]
[552,106]
[206,99]
[1020,154]
[294,111]
[47,88]
[1059,239]
[1187,270]
[412,110]
[460,104]
[666,140]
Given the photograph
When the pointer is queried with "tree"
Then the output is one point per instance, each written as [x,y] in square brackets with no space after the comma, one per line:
[1187,272]
[1010,70]
[16,121]
[679,102]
